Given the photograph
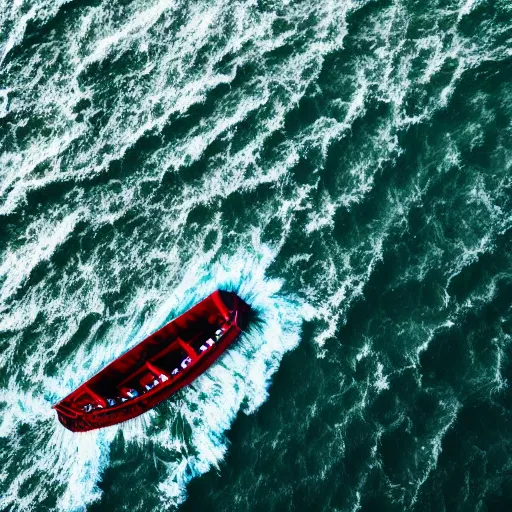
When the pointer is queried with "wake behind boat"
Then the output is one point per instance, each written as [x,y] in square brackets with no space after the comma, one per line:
[157,367]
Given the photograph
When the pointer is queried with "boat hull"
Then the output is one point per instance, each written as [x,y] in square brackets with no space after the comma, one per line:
[220,308]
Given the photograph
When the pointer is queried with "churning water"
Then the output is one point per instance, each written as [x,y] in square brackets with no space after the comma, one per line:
[345,166]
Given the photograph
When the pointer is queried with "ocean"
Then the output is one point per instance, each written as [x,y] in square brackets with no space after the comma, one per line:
[345,166]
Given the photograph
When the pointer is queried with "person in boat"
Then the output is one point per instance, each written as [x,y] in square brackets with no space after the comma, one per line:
[91,407]
[206,345]
[185,362]
[151,385]
[130,392]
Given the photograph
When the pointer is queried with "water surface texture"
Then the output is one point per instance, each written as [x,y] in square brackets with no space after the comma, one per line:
[345,166]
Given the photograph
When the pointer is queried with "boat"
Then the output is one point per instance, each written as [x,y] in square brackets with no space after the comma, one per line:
[159,366]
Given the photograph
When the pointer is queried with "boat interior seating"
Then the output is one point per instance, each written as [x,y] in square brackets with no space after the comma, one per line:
[166,367]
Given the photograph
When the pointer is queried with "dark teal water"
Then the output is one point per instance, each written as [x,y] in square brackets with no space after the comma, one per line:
[346,166]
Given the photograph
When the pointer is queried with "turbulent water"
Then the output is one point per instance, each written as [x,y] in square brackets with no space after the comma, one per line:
[345,166]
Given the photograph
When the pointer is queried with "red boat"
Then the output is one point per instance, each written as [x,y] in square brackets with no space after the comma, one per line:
[157,367]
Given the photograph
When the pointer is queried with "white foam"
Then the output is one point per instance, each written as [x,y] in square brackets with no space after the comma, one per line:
[364,352]
[469,5]
[4,108]
[381,380]
[41,11]
[17,264]
[451,409]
